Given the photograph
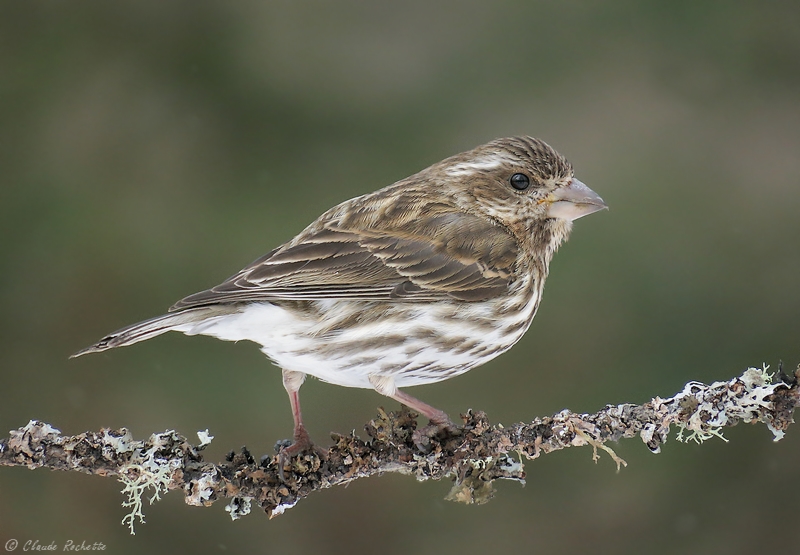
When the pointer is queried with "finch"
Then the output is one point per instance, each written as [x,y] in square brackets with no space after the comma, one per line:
[413,284]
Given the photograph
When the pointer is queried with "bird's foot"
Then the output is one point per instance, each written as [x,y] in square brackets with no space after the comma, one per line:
[302,443]
[440,427]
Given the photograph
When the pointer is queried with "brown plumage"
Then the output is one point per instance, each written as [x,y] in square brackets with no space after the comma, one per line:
[414,283]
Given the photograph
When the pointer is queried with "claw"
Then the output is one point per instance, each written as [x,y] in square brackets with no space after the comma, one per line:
[302,443]
[443,429]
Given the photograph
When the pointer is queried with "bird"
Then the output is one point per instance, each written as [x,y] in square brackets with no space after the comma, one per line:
[415,283]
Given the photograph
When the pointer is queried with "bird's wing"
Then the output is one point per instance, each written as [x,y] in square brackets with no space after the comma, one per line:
[442,254]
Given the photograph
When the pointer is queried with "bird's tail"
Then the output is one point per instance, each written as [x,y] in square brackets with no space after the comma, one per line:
[147,329]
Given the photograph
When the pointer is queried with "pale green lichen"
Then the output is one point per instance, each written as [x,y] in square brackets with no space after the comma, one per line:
[583,438]
[147,471]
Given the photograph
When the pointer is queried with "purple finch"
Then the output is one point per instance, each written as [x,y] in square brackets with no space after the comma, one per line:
[413,284]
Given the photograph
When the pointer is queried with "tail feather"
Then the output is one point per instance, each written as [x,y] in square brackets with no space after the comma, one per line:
[146,330]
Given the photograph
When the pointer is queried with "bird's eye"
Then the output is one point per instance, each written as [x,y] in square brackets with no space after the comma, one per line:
[520,181]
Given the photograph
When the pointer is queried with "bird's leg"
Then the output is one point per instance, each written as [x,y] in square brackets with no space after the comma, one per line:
[385,386]
[302,441]
[436,416]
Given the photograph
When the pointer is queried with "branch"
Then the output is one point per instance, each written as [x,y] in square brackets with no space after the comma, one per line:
[475,456]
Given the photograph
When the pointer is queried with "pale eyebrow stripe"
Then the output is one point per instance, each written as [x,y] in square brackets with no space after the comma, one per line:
[481,164]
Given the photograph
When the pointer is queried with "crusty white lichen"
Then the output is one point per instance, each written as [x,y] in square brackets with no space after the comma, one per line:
[202,490]
[204,437]
[721,404]
[29,440]
[117,445]
[279,510]
[240,506]
[40,428]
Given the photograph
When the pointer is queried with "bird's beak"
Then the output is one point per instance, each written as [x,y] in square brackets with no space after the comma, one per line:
[573,201]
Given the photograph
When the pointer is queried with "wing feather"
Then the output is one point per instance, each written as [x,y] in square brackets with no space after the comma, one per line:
[437,254]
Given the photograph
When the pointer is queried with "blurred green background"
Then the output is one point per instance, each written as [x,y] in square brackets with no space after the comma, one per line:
[150,149]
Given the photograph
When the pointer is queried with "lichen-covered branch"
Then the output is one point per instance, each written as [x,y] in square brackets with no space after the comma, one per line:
[476,456]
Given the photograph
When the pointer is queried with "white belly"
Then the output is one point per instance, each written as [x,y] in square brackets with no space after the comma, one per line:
[433,342]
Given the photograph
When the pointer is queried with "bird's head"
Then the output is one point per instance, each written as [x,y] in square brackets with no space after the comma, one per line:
[523,184]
